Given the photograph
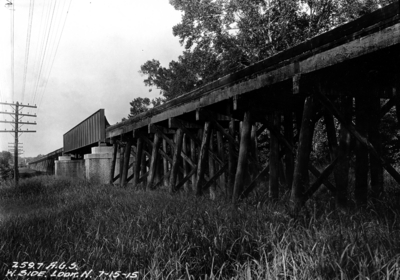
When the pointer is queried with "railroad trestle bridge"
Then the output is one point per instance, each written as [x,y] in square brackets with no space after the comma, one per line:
[206,140]
[341,74]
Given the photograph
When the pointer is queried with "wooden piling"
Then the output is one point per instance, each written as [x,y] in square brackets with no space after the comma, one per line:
[194,159]
[221,154]
[241,171]
[231,158]
[202,158]
[211,167]
[184,162]
[153,161]
[274,160]
[113,163]
[121,161]
[176,160]
[125,167]
[138,162]
[165,163]
[346,104]
[300,180]
[289,159]
[361,166]
[375,139]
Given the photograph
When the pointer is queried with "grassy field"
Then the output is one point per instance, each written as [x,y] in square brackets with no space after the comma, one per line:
[69,228]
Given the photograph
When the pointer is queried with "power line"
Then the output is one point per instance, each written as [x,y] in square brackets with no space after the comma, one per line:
[44,54]
[55,54]
[28,39]
[12,46]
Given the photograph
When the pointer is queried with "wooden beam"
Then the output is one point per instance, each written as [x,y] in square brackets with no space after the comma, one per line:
[263,173]
[185,164]
[175,160]
[125,167]
[324,175]
[221,154]
[243,154]
[113,162]
[152,128]
[186,178]
[172,144]
[387,106]
[194,159]
[361,166]
[376,140]
[331,108]
[153,160]
[211,167]
[202,157]
[231,155]
[214,178]
[198,142]
[289,158]
[204,115]
[274,159]
[177,123]
[121,162]
[343,154]
[165,164]
[300,179]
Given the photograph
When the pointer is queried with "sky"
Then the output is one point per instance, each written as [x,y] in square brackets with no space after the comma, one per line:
[82,56]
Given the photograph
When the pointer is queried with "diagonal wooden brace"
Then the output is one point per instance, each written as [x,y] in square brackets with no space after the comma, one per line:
[351,128]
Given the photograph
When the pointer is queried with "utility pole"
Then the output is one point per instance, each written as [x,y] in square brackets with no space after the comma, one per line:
[17,115]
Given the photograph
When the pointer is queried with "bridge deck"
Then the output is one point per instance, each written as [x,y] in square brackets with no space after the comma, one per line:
[280,73]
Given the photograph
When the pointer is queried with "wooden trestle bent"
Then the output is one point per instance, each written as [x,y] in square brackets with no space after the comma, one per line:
[278,102]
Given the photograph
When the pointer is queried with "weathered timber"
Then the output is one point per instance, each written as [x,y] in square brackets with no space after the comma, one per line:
[150,145]
[300,180]
[205,115]
[397,95]
[139,152]
[331,134]
[328,104]
[153,160]
[121,161]
[231,157]
[186,178]
[215,176]
[253,184]
[185,164]
[113,162]
[361,166]
[211,167]
[165,164]
[387,106]
[274,159]
[197,141]
[177,123]
[241,171]
[221,154]
[175,160]
[143,168]
[289,159]
[202,157]
[125,166]
[343,153]
[375,139]
[194,159]
[153,129]
[171,143]
[324,175]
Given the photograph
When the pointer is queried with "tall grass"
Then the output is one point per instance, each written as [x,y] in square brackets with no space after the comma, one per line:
[182,237]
